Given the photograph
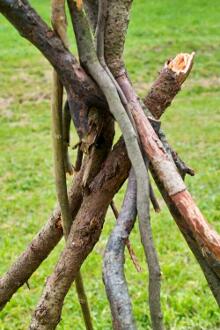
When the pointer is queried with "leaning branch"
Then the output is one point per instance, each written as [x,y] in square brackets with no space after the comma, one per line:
[168,83]
[30,25]
[40,247]
[206,239]
[84,234]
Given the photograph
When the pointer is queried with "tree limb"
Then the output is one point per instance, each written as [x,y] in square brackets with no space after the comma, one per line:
[40,247]
[84,234]
[58,18]
[113,267]
[127,241]
[30,26]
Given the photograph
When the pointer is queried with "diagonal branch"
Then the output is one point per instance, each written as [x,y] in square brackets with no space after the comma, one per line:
[30,25]
[40,247]
[84,234]
[206,240]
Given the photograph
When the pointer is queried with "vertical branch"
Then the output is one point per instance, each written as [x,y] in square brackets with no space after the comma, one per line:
[127,241]
[90,61]
[113,267]
[116,28]
[59,24]
[66,122]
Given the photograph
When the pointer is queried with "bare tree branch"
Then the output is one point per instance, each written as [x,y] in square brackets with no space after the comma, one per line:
[77,83]
[113,267]
[40,247]
[84,234]
[58,18]
[127,241]
[66,122]
[168,83]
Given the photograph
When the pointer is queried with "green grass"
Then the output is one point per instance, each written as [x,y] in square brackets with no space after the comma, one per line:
[158,30]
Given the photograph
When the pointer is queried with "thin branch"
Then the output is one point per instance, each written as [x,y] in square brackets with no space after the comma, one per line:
[118,12]
[59,24]
[127,241]
[113,267]
[66,122]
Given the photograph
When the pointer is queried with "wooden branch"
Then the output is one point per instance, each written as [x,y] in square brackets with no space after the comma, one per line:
[66,122]
[114,45]
[113,267]
[127,241]
[166,173]
[84,234]
[115,33]
[207,239]
[91,8]
[168,83]
[40,247]
[59,24]
[77,83]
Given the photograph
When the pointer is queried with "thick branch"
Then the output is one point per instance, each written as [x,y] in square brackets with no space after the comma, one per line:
[33,28]
[206,239]
[84,233]
[168,83]
[51,233]
[40,247]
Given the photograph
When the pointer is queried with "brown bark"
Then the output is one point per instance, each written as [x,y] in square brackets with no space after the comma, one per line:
[168,83]
[84,233]
[206,238]
[51,233]
[40,247]
[78,84]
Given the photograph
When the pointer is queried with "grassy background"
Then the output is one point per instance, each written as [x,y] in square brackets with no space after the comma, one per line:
[158,30]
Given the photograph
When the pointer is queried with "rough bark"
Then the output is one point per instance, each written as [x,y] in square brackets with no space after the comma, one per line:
[84,233]
[168,83]
[206,240]
[40,247]
[78,84]
[113,267]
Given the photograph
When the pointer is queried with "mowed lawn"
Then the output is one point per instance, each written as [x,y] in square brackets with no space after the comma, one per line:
[158,30]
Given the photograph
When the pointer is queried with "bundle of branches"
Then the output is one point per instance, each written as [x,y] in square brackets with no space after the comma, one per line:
[99,92]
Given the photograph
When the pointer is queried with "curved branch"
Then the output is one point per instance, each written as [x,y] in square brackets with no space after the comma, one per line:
[113,267]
